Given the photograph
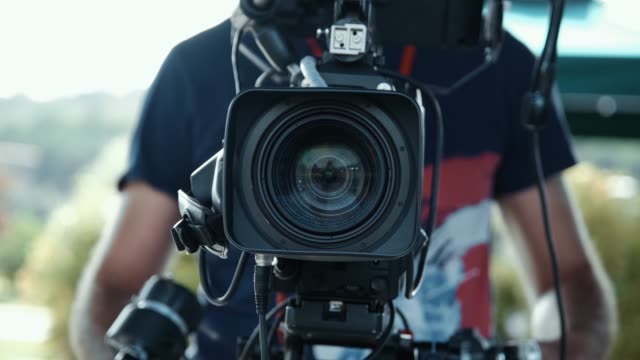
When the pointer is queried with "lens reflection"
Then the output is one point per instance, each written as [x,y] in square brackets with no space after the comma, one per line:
[329,177]
[326,178]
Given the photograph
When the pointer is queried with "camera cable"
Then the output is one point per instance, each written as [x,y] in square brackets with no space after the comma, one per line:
[535,150]
[535,104]
[233,286]
[244,355]
[274,329]
[403,318]
[386,334]
[235,46]
[261,286]
[435,186]
[411,291]
[264,77]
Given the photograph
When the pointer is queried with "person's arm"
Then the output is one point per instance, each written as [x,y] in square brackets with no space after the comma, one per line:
[133,248]
[588,297]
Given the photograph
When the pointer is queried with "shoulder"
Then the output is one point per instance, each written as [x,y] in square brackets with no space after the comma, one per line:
[202,63]
[201,55]
[198,55]
[515,57]
[207,42]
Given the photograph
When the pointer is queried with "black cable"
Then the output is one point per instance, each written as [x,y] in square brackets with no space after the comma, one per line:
[535,149]
[266,75]
[264,337]
[411,291]
[541,83]
[445,91]
[550,51]
[409,277]
[235,45]
[435,186]
[386,334]
[233,286]
[254,334]
[273,329]
[403,318]
[261,279]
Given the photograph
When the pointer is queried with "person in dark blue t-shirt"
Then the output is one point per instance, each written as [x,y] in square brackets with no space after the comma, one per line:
[486,160]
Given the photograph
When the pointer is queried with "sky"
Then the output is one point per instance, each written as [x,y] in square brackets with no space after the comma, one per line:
[51,49]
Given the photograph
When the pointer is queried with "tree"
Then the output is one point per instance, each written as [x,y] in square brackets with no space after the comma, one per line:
[53,268]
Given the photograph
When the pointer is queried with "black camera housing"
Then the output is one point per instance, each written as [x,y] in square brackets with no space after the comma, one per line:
[258,121]
[434,23]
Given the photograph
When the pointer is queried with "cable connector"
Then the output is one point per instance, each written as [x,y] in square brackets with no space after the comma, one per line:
[534,110]
[262,282]
[536,101]
[262,286]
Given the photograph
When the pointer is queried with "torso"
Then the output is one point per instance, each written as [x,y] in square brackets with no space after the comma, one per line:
[456,292]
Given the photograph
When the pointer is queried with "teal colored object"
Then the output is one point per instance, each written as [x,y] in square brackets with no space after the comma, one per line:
[598,70]
[599,75]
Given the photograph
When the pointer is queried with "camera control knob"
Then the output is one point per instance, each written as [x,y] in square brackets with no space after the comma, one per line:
[379,285]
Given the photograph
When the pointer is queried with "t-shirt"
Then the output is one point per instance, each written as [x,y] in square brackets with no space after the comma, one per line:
[486,154]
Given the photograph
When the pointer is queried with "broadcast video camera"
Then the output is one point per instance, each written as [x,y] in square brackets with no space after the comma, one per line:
[322,182]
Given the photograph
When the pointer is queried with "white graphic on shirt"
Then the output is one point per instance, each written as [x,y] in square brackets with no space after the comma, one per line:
[435,312]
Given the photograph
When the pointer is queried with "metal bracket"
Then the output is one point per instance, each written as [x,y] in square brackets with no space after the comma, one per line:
[200,227]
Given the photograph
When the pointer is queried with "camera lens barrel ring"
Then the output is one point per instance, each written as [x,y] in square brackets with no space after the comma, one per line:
[370,136]
[331,151]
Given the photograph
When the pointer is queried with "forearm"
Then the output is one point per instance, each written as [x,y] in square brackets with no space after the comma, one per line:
[590,313]
[94,311]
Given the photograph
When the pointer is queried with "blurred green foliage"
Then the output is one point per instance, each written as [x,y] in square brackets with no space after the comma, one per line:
[67,135]
[54,266]
[610,204]
[509,297]
[15,242]
[59,253]
[613,219]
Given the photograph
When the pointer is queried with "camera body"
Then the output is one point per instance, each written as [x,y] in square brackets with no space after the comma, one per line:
[434,23]
[331,174]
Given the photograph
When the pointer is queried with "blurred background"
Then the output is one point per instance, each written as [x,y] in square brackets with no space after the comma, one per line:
[72,77]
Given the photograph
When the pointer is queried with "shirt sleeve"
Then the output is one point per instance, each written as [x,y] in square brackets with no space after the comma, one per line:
[516,171]
[160,152]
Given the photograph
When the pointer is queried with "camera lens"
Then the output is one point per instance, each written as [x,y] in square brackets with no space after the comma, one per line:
[326,177]
[329,176]
[322,174]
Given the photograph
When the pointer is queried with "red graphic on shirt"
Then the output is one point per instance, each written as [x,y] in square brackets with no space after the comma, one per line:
[465,181]
[408,59]
[314,46]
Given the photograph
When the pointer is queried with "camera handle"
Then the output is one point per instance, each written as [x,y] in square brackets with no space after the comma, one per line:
[156,323]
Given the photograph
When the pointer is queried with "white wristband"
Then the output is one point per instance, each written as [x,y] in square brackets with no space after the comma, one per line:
[545,319]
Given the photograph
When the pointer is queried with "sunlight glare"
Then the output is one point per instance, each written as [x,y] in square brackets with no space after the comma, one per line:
[50,49]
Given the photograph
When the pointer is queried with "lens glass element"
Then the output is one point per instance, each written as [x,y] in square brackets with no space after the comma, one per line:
[326,177]
[329,176]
